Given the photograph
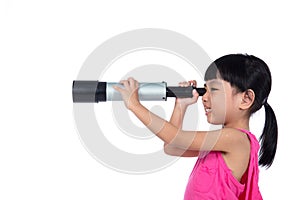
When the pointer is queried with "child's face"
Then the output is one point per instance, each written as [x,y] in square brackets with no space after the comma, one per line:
[221,102]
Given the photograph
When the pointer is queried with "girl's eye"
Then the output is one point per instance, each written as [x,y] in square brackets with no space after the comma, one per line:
[213,89]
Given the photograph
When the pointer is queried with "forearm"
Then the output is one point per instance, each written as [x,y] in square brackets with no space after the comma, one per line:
[177,120]
[167,132]
[160,127]
[178,115]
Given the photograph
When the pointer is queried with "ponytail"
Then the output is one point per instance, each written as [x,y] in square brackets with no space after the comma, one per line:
[268,138]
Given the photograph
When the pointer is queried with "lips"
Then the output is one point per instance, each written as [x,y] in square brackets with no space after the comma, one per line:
[207,110]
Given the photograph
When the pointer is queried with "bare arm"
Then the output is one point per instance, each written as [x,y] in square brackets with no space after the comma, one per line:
[176,119]
[188,141]
[219,140]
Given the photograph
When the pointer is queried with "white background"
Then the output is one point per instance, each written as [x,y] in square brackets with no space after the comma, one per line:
[42,47]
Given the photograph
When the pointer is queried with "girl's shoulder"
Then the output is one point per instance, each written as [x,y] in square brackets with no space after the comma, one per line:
[225,140]
[233,139]
[236,134]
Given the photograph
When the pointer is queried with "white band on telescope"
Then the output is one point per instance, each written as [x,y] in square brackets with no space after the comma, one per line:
[147,92]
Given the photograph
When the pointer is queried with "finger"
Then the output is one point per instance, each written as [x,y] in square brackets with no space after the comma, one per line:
[122,81]
[136,84]
[193,83]
[130,79]
[117,88]
[131,82]
[195,94]
[125,83]
[184,84]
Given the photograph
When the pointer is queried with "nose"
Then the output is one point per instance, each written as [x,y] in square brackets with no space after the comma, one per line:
[205,97]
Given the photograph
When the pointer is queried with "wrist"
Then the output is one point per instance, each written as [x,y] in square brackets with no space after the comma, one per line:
[134,107]
[180,105]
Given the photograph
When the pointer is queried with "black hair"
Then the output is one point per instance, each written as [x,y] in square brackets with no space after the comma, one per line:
[245,72]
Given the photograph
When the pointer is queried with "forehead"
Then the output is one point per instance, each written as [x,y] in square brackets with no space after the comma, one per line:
[214,82]
[218,83]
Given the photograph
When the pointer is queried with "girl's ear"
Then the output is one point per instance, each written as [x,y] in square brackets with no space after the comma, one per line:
[247,100]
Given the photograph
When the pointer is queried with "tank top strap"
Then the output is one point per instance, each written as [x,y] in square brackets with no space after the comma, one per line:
[251,176]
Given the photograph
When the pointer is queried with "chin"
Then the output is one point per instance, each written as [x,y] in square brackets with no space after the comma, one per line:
[215,121]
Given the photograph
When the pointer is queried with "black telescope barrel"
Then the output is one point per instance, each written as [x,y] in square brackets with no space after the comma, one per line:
[201,91]
[101,92]
[184,92]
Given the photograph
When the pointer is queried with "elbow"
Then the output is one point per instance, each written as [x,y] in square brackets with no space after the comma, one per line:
[169,149]
[166,148]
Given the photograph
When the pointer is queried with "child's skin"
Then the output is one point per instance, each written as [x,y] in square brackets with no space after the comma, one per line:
[222,105]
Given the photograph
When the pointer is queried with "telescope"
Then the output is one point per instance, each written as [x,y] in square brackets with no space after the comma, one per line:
[88,91]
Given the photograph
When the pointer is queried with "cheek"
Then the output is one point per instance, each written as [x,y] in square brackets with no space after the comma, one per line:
[219,105]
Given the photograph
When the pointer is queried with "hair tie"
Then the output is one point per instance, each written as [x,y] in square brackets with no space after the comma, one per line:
[265,101]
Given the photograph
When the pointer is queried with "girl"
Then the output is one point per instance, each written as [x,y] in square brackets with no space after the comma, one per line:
[236,86]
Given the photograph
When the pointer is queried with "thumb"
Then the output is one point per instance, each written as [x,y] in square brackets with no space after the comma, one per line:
[117,88]
[195,93]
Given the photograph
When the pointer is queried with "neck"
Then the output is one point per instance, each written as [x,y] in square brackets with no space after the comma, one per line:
[242,123]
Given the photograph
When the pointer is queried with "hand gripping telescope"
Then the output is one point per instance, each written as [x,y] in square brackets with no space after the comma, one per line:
[94,91]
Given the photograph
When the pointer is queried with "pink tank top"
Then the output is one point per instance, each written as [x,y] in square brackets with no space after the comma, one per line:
[212,179]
